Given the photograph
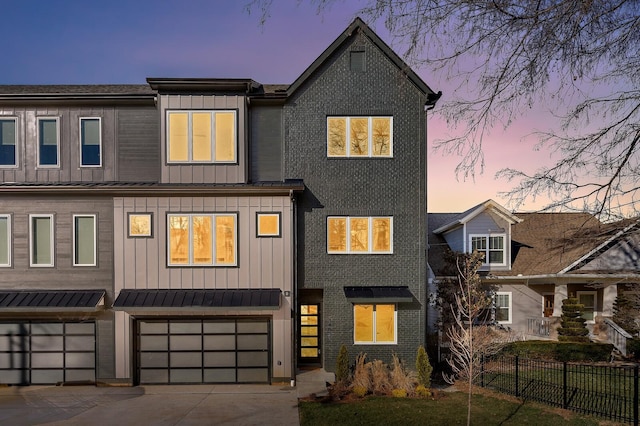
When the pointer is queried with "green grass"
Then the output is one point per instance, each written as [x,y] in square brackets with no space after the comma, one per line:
[451,409]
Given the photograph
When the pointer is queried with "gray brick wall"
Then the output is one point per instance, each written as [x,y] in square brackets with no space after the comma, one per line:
[360,187]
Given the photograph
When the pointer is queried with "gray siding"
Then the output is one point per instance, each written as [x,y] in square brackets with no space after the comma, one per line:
[455,239]
[266,143]
[487,223]
[353,187]
[138,145]
[205,173]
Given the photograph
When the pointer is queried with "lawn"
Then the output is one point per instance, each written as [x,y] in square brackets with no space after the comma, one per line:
[447,409]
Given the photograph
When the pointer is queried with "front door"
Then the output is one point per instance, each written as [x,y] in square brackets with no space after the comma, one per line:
[548,305]
[309,334]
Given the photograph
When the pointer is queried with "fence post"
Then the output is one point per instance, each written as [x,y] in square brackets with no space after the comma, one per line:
[517,371]
[635,395]
[565,403]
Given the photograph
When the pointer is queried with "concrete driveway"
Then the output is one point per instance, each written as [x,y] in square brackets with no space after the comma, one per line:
[149,405]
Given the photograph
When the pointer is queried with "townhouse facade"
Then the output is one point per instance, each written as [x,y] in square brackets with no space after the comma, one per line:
[195,230]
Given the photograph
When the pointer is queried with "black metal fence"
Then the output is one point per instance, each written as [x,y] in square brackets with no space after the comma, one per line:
[606,391]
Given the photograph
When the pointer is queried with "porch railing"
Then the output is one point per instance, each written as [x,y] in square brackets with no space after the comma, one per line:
[616,336]
[539,326]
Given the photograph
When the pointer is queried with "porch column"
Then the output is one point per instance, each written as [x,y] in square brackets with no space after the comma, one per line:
[559,295]
[609,294]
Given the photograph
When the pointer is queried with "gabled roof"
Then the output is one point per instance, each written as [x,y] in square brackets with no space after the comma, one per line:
[460,219]
[359,26]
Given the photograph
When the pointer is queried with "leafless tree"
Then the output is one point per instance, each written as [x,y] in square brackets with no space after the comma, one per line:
[577,59]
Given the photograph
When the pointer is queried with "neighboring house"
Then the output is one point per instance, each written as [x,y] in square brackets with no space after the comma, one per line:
[536,260]
[214,230]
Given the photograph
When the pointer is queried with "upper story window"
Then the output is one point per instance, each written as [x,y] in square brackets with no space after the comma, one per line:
[8,154]
[357,137]
[84,240]
[202,239]
[90,142]
[48,142]
[492,246]
[5,240]
[359,235]
[41,240]
[201,136]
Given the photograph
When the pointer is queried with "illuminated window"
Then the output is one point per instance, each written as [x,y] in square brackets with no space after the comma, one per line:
[5,240]
[8,154]
[201,136]
[359,137]
[268,224]
[492,246]
[374,323]
[359,235]
[90,142]
[84,240]
[41,240]
[202,239]
[48,142]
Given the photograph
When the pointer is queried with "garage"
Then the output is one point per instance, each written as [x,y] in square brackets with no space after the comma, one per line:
[205,350]
[47,352]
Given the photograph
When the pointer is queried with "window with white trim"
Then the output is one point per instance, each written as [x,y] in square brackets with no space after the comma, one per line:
[5,240]
[375,323]
[502,303]
[201,136]
[589,300]
[90,142]
[8,145]
[359,235]
[84,240]
[41,242]
[48,142]
[359,137]
[491,246]
[202,239]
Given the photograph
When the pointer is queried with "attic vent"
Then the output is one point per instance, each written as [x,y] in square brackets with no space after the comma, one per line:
[357,61]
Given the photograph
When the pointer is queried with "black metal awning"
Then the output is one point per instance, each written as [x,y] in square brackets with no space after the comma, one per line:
[379,294]
[129,300]
[51,300]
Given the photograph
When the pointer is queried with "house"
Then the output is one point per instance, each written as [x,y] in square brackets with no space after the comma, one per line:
[208,230]
[536,260]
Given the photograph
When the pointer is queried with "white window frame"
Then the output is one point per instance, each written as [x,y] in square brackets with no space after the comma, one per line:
[486,252]
[190,112]
[8,242]
[595,302]
[15,141]
[191,263]
[80,140]
[48,166]
[375,310]
[74,244]
[51,241]
[370,236]
[369,132]
[509,307]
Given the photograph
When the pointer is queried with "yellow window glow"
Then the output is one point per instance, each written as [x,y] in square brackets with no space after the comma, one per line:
[359,234]
[381,136]
[268,224]
[337,137]
[382,234]
[202,240]
[337,234]
[178,240]
[385,323]
[225,136]
[225,240]
[363,323]
[201,130]
[178,136]
[359,136]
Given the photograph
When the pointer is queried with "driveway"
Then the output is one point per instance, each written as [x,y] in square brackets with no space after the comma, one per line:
[157,405]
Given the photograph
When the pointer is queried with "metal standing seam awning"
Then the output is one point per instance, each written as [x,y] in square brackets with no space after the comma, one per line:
[379,294]
[181,300]
[51,300]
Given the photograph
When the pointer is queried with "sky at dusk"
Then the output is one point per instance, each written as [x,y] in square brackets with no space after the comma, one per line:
[124,42]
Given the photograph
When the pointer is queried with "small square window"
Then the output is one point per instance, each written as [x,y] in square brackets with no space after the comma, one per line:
[140,225]
[268,224]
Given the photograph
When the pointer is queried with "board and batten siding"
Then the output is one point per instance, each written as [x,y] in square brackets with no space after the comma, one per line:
[69,169]
[266,143]
[138,145]
[205,173]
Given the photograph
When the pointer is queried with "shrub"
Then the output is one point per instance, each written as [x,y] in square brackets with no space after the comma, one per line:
[400,377]
[359,391]
[381,385]
[633,348]
[423,367]
[361,377]
[342,365]
[399,393]
[572,328]
[422,391]
[560,351]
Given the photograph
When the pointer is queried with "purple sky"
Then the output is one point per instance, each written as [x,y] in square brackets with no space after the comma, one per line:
[116,41]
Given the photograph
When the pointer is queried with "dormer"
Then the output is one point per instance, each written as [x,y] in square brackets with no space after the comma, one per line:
[485,228]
